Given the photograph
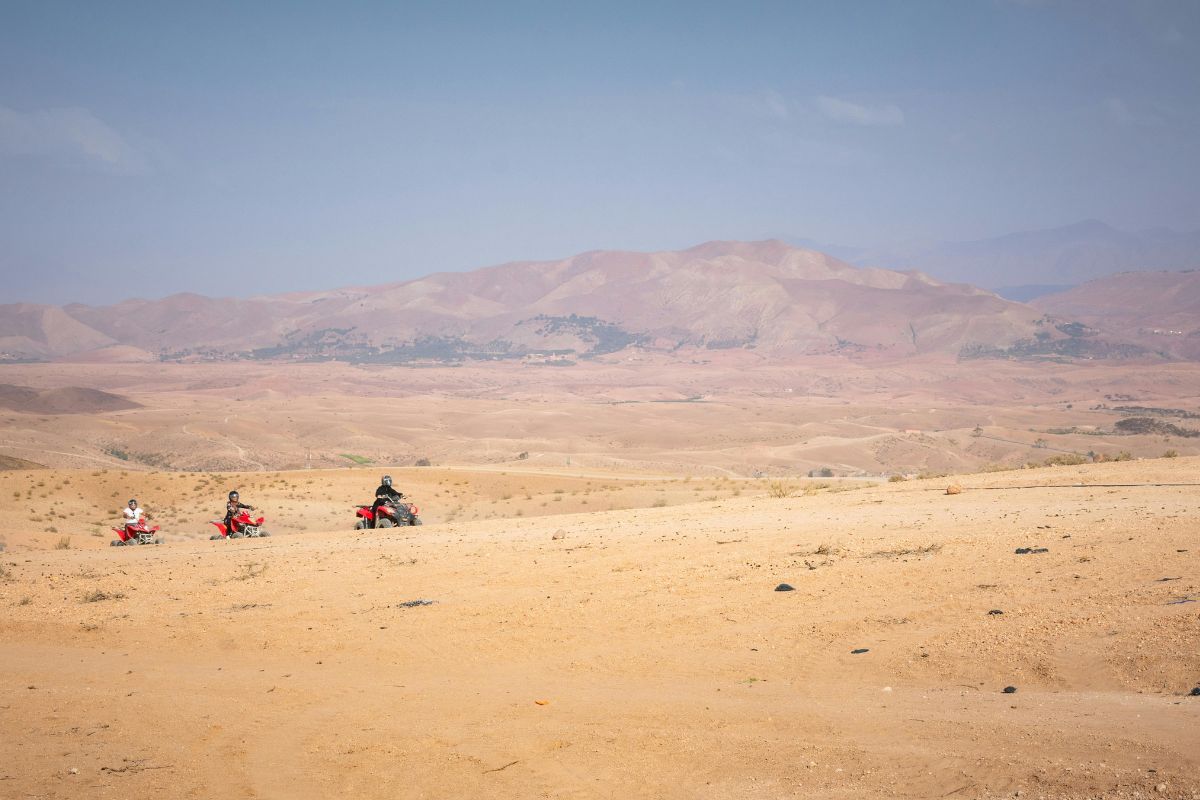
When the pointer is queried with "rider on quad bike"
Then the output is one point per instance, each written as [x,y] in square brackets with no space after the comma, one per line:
[385,495]
[133,514]
[133,529]
[231,511]
[387,510]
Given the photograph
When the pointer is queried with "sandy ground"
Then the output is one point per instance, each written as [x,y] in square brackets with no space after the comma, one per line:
[635,652]
[734,417]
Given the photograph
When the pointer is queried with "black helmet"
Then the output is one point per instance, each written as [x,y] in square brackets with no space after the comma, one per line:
[233,495]
[132,502]
[387,480]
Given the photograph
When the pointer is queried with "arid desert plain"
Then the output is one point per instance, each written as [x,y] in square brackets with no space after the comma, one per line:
[601,552]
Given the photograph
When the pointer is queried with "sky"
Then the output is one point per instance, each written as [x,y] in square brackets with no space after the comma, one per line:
[247,148]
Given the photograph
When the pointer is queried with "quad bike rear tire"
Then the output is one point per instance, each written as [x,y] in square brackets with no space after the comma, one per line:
[415,521]
[236,535]
[214,536]
[383,523]
[115,543]
[361,525]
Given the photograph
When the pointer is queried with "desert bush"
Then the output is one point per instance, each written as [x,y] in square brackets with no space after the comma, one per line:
[423,462]
[779,489]
[523,455]
[1171,454]
[1065,460]
[908,551]
[96,595]
[897,479]
[659,502]
[64,543]
[250,570]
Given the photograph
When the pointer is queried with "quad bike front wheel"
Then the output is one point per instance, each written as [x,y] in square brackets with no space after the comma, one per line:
[383,523]
[360,525]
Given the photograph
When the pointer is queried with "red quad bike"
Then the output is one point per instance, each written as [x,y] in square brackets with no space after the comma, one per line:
[136,534]
[244,527]
[390,515]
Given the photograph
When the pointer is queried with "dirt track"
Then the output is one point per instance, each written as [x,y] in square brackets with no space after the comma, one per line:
[667,664]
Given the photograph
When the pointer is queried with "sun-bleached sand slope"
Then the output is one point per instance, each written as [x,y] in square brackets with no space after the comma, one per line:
[632,653]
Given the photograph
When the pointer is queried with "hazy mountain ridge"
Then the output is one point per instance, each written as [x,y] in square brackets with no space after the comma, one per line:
[1050,257]
[1159,310]
[774,298]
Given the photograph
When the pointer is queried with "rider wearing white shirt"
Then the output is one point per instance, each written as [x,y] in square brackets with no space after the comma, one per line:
[133,514]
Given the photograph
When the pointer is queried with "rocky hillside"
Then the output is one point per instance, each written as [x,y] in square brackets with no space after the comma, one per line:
[773,298]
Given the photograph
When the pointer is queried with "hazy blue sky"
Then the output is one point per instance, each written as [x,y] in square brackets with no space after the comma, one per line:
[153,147]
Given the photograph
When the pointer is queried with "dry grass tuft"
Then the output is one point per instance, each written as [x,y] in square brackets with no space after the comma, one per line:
[779,489]
[250,570]
[908,551]
[96,595]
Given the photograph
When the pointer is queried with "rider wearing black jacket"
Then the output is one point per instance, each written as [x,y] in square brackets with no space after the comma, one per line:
[384,495]
[231,510]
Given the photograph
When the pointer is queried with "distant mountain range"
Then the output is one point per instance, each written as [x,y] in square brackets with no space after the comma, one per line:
[1024,265]
[770,297]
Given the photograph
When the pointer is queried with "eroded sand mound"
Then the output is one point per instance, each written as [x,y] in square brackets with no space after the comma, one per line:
[9,462]
[630,653]
[65,400]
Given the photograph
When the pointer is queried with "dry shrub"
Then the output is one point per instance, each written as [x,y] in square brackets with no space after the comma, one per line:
[779,489]
[64,543]
[96,595]
[250,570]
[908,551]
